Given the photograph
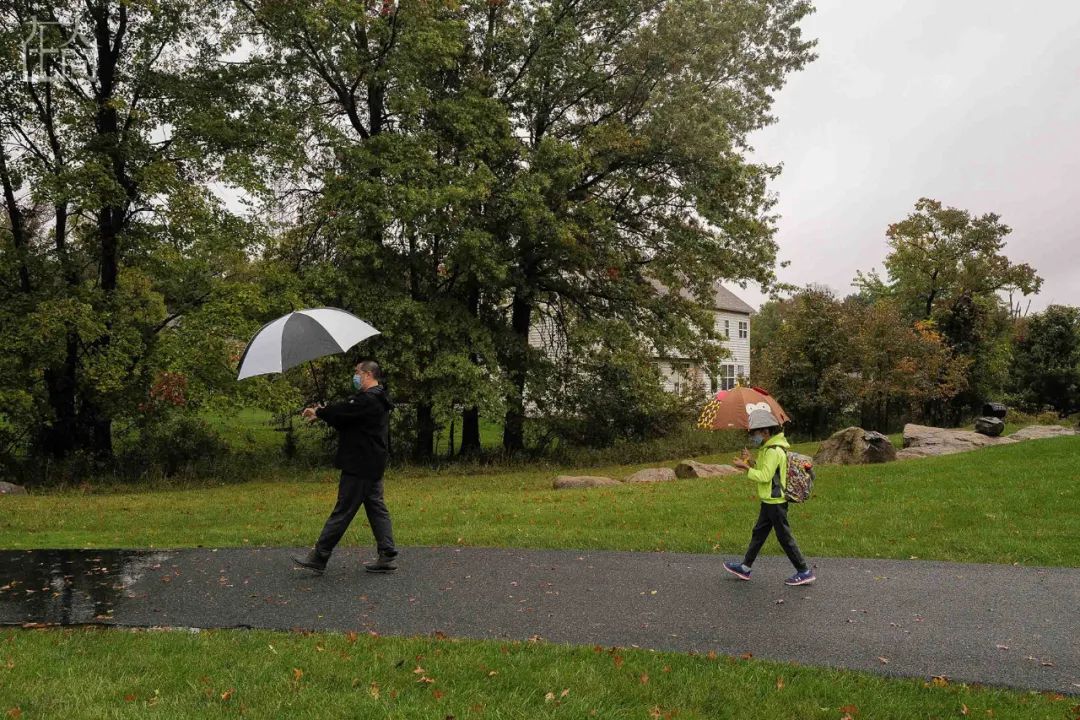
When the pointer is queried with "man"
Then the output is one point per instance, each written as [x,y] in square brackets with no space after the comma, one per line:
[363,425]
[770,474]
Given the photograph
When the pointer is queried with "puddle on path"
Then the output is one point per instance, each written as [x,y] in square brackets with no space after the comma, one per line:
[69,587]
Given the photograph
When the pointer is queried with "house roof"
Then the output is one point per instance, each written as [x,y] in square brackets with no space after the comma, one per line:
[723,299]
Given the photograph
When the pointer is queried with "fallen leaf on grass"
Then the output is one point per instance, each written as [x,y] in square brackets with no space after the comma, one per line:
[564,693]
[373,689]
[297,673]
[419,670]
[14,712]
[439,694]
[549,697]
[130,698]
[746,656]
[618,661]
[425,679]
[227,695]
[963,709]
[937,681]
[850,710]
[350,637]
[644,679]
[780,683]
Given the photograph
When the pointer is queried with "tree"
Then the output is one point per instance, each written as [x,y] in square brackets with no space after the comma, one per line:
[474,166]
[1045,368]
[947,266]
[111,238]
[807,360]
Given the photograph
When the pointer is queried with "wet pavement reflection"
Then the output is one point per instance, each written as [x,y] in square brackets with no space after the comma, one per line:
[69,587]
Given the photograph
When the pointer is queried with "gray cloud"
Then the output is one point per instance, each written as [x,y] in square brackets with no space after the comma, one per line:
[975,104]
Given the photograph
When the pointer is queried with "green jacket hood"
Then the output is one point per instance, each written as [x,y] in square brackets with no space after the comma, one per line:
[777,440]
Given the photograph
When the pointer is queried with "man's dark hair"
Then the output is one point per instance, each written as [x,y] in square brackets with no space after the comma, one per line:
[372,367]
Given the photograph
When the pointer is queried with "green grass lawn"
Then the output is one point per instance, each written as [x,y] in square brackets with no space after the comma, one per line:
[1010,504]
[94,673]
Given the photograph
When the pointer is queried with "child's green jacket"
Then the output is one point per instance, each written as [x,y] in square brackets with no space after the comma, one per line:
[771,457]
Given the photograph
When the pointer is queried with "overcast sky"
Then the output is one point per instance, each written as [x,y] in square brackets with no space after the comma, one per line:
[973,103]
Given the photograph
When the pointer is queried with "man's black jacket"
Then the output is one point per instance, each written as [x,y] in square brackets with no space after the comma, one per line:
[363,425]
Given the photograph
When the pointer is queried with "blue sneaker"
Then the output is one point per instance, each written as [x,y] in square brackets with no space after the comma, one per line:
[738,570]
[801,578]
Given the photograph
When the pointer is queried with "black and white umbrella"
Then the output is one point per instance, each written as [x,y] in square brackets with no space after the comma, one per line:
[299,336]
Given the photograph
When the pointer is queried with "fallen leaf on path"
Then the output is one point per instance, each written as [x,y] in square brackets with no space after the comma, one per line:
[1002,647]
[884,660]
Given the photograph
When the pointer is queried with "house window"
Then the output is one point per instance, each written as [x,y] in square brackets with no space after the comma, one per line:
[744,329]
[727,377]
[727,329]
[740,372]
[679,379]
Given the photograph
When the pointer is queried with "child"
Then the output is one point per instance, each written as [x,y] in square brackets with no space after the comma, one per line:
[770,474]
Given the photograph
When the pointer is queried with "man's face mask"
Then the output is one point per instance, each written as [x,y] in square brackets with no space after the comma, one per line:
[756,440]
[356,381]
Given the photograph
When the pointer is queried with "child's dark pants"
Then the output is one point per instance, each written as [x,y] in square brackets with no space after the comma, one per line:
[774,517]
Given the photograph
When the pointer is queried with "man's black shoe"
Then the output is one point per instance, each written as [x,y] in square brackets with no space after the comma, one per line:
[314,561]
[384,564]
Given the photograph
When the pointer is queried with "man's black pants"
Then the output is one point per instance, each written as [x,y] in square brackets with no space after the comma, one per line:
[354,491]
[774,517]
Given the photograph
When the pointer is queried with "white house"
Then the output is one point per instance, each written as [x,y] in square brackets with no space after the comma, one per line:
[681,374]
[733,323]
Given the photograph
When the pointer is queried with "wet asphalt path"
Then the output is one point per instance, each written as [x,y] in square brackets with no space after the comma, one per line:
[992,624]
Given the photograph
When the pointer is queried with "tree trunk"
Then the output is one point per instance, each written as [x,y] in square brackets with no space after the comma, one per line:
[470,418]
[517,368]
[470,431]
[425,433]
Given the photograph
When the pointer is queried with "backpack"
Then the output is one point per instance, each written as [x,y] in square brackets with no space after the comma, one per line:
[800,477]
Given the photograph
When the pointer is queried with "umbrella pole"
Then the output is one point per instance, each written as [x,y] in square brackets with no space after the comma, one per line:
[318,385]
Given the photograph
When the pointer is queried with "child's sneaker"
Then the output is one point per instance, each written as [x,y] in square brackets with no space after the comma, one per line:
[738,570]
[801,578]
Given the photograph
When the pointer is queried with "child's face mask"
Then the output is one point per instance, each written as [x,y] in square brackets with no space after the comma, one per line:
[756,440]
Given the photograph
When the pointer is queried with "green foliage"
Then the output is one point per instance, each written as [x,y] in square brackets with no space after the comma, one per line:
[1045,369]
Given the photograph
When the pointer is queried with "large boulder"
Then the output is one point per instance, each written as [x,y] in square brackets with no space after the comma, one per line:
[652,475]
[567,482]
[7,488]
[855,446]
[1038,432]
[989,426]
[695,469]
[925,441]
